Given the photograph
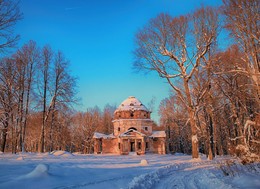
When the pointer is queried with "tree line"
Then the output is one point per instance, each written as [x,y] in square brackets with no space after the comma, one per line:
[37,94]
[33,81]
[214,106]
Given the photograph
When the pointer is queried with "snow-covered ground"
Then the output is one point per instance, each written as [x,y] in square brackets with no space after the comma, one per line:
[62,170]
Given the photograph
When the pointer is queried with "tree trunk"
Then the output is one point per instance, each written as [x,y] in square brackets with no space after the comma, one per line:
[41,142]
[4,134]
[211,139]
[51,128]
[210,155]
[194,139]
[191,111]
[27,104]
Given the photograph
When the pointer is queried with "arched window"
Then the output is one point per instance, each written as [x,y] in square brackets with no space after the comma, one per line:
[132,128]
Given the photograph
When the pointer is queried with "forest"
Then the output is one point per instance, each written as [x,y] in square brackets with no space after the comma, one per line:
[213,107]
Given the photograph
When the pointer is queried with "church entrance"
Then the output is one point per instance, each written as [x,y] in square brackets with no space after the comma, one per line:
[132,145]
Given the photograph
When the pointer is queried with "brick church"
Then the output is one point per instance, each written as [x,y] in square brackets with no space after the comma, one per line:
[133,132]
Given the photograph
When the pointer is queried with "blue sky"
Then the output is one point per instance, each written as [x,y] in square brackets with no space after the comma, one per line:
[97,36]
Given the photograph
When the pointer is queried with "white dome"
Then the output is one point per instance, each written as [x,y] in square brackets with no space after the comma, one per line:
[131,104]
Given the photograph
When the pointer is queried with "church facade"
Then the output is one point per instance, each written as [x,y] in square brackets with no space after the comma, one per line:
[133,132]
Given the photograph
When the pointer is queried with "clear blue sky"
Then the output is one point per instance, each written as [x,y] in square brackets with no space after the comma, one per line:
[97,36]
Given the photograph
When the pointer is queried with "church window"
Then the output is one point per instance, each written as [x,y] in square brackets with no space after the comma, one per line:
[132,114]
[119,146]
[118,129]
[146,128]
[147,145]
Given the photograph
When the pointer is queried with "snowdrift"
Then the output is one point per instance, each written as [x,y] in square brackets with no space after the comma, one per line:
[61,153]
[40,171]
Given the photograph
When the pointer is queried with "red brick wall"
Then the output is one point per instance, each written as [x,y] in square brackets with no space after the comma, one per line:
[137,114]
[159,145]
[110,146]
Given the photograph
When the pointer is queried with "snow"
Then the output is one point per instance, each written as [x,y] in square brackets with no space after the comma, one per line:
[39,171]
[194,139]
[156,134]
[144,162]
[128,133]
[63,170]
[61,153]
[19,158]
[101,135]
[131,103]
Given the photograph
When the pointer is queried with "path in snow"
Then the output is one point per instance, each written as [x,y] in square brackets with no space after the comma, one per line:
[192,176]
[200,174]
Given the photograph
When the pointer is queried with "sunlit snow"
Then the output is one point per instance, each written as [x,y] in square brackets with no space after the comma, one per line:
[60,170]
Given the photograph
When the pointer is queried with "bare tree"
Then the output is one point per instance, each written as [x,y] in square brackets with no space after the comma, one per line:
[54,98]
[243,21]
[83,126]
[63,89]
[174,48]
[9,15]
[237,102]
[173,117]
[57,90]
[107,117]
[151,103]
[21,72]
[7,97]
[29,56]
[45,66]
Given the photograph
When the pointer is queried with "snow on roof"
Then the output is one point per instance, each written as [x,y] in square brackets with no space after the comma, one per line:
[131,130]
[101,135]
[156,134]
[131,103]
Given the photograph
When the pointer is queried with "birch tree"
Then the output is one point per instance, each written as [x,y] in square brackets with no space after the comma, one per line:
[174,48]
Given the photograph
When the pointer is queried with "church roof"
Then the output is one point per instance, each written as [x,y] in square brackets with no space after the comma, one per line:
[131,104]
[101,135]
[128,133]
[157,134]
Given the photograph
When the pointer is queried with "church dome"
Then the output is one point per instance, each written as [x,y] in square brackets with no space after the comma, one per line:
[132,104]
[133,107]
